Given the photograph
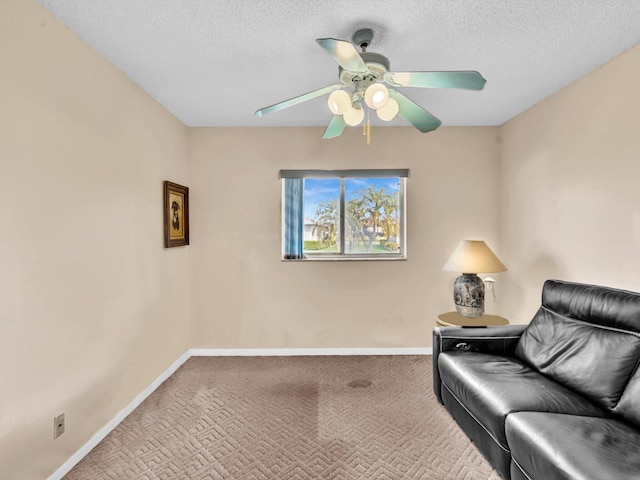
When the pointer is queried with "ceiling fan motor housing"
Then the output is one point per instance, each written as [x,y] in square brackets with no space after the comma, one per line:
[377,64]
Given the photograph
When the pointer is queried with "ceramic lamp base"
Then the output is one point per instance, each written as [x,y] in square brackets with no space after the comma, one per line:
[468,295]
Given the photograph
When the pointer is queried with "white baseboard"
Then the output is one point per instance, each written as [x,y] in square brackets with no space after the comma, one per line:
[122,414]
[284,352]
[220,352]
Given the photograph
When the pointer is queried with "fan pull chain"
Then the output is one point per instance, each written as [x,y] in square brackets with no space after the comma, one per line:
[364,124]
[366,127]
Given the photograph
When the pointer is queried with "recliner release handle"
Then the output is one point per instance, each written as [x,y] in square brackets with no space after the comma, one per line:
[462,346]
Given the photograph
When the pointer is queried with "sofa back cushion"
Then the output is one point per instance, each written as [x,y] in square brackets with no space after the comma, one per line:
[585,337]
[629,404]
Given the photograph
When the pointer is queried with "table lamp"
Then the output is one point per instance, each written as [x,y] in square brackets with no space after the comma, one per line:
[469,258]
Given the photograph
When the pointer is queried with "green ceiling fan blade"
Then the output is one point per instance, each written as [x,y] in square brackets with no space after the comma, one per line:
[344,53]
[296,100]
[467,80]
[414,114]
[335,128]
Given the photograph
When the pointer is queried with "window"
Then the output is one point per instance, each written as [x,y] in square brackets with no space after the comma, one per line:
[344,214]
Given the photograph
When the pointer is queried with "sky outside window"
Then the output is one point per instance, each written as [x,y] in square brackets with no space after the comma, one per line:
[317,191]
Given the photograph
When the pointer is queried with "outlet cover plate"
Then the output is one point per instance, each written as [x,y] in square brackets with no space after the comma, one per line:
[58,425]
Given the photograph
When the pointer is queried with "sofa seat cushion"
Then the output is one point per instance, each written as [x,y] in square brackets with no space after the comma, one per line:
[491,387]
[569,447]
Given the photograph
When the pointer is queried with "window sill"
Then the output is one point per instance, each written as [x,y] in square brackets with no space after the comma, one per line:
[346,258]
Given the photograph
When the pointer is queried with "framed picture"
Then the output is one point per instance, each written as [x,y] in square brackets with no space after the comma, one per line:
[176,215]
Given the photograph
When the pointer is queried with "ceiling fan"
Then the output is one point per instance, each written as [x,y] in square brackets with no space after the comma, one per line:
[362,81]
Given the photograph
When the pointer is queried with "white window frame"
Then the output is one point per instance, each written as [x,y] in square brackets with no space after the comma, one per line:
[401,174]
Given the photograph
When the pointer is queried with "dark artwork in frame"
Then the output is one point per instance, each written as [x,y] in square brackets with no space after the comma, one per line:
[176,215]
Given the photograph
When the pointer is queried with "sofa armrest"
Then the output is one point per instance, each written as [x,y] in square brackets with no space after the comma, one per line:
[491,340]
[495,340]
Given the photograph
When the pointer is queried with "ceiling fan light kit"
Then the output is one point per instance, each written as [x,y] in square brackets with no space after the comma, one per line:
[388,111]
[376,95]
[367,73]
[353,116]
[339,102]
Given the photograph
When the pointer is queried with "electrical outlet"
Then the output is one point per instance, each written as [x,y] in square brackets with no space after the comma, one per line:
[58,425]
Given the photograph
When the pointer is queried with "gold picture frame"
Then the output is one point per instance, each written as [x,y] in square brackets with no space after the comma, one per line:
[176,215]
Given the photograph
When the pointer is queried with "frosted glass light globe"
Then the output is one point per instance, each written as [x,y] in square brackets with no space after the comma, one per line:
[353,116]
[339,102]
[389,111]
[376,95]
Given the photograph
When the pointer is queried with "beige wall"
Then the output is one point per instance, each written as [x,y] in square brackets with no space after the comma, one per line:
[92,307]
[570,173]
[244,296]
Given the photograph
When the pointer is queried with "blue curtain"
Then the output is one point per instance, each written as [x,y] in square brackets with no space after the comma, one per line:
[293,218]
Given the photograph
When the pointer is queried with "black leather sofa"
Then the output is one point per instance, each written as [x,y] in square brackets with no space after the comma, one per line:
[558,399]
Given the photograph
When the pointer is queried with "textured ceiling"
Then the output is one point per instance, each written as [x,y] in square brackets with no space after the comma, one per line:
[214,62]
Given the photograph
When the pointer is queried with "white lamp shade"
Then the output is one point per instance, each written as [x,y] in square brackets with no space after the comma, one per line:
[353,116]
[376,95]
[389,111]
[473,256]
[339,102]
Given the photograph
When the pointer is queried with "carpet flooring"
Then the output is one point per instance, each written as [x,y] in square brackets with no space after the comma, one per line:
[299,418]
